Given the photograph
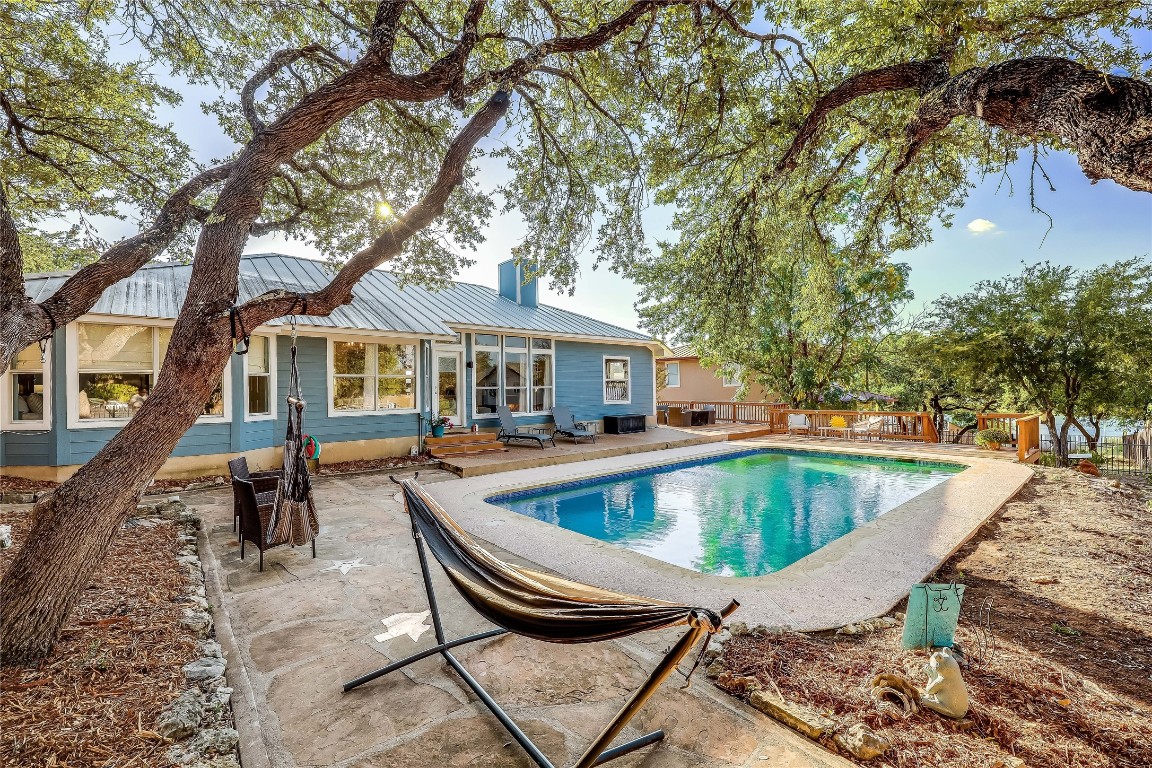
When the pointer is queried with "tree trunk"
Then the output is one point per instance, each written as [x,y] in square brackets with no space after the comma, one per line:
[61,551]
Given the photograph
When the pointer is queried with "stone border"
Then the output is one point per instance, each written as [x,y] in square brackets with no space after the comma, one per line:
[857,577]
[199,719]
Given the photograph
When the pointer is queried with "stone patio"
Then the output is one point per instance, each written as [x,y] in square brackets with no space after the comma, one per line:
[294,633]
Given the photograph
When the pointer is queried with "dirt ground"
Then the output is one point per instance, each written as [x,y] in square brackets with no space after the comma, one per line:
[1067,680]
[95,700]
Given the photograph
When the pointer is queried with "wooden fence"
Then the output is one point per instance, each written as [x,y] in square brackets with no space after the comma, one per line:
[1009,422]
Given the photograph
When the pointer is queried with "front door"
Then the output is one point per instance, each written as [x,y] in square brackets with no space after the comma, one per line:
[449,386]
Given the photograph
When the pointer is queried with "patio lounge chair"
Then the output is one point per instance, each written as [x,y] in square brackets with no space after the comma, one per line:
[798,422]
[868,428]
[567,426]
[544,607]
[509,431]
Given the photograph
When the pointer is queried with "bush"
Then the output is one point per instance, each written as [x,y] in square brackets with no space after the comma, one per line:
[108,389]
[986,437]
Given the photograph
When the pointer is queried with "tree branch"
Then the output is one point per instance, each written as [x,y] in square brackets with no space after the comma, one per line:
[391,242]
[1106,120]
[279,61]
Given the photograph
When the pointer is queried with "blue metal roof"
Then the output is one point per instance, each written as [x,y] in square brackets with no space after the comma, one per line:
[379,303]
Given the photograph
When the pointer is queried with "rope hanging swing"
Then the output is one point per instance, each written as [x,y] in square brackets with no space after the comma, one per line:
[293,518]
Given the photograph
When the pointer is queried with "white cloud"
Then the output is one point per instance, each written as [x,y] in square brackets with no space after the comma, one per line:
[981,226]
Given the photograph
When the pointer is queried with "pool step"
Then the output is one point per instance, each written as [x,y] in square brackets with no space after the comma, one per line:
[464,444]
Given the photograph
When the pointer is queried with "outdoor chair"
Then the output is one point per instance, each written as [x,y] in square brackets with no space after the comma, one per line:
[264,483]
[543,607]
[869,428]
[255,517]
[798,422]
[567,426]
[509,431]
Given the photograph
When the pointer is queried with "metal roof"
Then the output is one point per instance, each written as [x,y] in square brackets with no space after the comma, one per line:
[379,303]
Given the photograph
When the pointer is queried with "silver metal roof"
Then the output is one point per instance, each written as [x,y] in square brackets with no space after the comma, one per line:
[379,302]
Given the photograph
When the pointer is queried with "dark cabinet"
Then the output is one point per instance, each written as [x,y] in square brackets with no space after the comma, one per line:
[623,425]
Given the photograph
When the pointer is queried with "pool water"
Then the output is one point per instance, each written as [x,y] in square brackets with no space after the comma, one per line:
[743,516]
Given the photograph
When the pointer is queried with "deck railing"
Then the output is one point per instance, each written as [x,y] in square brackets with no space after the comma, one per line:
[1005,421]
[1027,438]
[880,425]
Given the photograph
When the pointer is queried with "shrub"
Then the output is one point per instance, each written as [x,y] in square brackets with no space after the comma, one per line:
[986,437]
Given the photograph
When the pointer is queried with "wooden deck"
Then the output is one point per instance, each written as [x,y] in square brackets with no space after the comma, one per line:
[524,456]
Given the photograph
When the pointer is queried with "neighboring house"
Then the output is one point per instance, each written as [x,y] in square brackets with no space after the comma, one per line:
[372,372]
[685,379]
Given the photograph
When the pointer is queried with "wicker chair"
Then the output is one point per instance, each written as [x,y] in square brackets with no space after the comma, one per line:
[264,483]
[254,517]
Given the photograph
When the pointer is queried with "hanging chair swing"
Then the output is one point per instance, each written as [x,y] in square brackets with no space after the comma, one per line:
[293,518]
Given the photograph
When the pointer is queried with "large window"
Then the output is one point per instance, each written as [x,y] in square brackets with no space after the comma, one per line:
[373,377]
[516,371]
[486,351]
[116,368]
[617,383]
[260,381]
[26,403]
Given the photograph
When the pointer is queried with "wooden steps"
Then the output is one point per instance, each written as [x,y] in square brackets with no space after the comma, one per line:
[464,444]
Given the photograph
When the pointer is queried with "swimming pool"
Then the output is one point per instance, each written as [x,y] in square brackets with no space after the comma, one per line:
[742,514]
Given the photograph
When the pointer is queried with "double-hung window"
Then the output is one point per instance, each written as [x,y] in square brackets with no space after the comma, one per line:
[373,377]
[543,376]
[116,368]
[617,381]
[486,351]
[672,375]
[260,362]
[27,391]
[731,375]
[516,371]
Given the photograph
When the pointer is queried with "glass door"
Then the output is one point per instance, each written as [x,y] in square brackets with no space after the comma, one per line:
[449,386]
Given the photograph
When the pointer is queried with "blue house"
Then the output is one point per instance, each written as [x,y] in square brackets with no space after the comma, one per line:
[373,372]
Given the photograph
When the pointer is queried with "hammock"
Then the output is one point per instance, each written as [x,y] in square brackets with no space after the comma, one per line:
[293,519]
[544,607]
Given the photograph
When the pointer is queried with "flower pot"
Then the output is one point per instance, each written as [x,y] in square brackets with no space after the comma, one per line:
[438,431]
[992,446]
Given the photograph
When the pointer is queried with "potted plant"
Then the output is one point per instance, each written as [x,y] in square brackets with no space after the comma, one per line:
[439,424]
[992,438]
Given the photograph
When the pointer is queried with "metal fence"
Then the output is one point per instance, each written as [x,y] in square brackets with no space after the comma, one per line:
[1108,455]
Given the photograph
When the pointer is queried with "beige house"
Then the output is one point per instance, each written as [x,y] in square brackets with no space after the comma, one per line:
[681,378]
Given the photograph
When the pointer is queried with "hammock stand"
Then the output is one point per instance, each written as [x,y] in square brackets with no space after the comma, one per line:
[544,607]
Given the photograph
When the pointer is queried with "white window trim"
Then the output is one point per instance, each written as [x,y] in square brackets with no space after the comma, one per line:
[730,376]
[551,352]
[604,379]
[476,347]
[668,385]
[72,373]
[273,391]
[7,396]
[501,388]
[333,413]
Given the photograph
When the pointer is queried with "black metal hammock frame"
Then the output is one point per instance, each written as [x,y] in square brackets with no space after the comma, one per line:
[544,607]
[293,519]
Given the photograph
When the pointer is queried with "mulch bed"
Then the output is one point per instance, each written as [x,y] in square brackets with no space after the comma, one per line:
[1067,680]
[22,485]
[95,700]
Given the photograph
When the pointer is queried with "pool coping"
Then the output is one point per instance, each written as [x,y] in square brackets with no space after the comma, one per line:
[856,577]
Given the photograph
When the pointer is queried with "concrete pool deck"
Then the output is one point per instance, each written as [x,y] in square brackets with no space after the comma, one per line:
[859,576]
[293,633]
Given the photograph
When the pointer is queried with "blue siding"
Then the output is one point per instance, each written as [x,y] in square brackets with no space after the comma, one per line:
[33,449]
[311,359]
[580,381]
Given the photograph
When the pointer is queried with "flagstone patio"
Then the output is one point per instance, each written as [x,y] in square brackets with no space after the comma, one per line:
[294,633]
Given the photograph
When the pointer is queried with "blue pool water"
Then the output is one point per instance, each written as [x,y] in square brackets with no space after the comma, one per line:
[743,516]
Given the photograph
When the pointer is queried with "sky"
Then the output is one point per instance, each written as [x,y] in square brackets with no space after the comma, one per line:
[994,234]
